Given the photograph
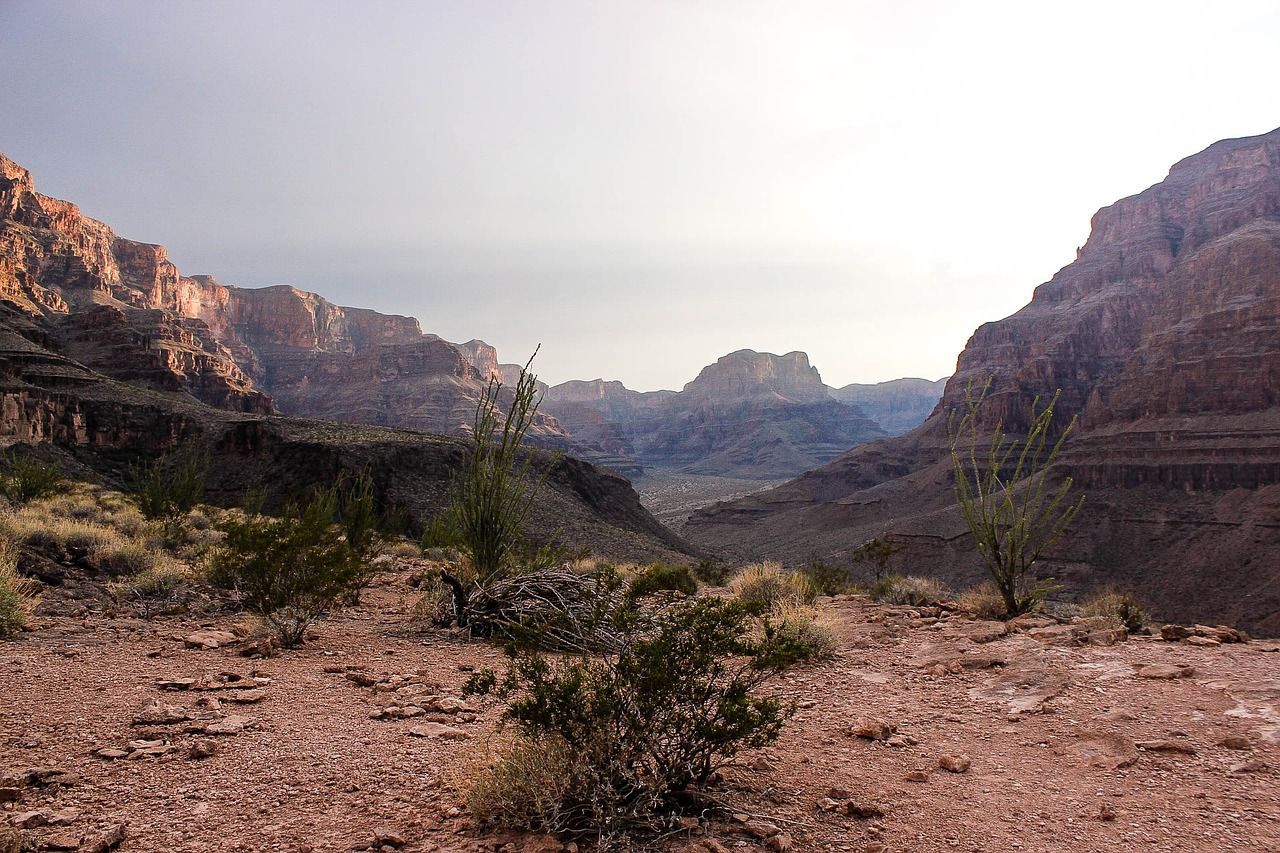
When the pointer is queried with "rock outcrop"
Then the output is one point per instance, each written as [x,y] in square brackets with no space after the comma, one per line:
[1164,338]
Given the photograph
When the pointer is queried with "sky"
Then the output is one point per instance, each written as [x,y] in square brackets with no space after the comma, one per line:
[640,187]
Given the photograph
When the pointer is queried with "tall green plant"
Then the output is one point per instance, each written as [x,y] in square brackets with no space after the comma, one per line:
[1002,486]
[171,486]
[28,479]
[495,491]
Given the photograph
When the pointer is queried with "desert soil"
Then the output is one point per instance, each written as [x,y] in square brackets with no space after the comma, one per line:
[1068,746]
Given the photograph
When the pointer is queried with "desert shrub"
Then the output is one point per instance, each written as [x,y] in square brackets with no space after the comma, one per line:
[37,528]
[160,589]
[767,585]
[827,578]
[711,571]
[798,634]
[17,594]
[628,737]
[1114,604]
[660,576]
[290,570]
[1003,492]
[169,487]
[910,590]
[983,601]
[441,531]
[876,553]
[27,479]
[401,549]
[127,557]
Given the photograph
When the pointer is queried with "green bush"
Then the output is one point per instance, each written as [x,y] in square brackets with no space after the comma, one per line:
[170,487]
[660,576]
[28,479]
[876,553]
[646,735]
[441,531]
[290,570]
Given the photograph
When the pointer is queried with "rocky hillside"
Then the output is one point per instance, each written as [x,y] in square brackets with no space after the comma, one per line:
[1164,336]
[752,415]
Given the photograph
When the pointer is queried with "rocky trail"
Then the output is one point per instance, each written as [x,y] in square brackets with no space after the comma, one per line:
[928,732]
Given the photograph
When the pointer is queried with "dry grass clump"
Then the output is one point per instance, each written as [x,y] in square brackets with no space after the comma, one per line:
[1111,603]
[802,629]
[36,527]
[17,594]
[528,785]
[767,585]
[912,590]
[983,601]
[402,549]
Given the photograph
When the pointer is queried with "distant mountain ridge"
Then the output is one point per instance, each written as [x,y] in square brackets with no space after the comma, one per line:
[750,415]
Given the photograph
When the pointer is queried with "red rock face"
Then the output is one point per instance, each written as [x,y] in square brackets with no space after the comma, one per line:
[1164,337]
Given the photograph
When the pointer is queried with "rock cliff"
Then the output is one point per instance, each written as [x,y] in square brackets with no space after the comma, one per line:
[1164,337]
[898,406]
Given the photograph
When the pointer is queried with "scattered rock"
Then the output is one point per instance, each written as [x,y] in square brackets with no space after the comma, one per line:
[1166,671]
[1166,746]
[872,728]
[1251,766]
[108,840]
[28,820]
[1203,641]
[111,753]
[1108,750]
[954,763]
[391,838]
[917,776]
[209,639]
[159,714]
[247,697]
[1105,813]
[61,841]
[862,811]
[202,748]
[761,829]
[439,730]
[232,725]
[1239,742]
[779,842]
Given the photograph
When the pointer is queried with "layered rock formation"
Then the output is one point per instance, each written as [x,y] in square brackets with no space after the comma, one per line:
[1164,338]
[898,406]
[750,414]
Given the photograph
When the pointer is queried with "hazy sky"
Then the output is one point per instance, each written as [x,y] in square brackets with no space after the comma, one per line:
[640,186]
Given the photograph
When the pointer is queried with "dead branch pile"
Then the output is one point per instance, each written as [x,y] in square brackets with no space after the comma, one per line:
[554,610]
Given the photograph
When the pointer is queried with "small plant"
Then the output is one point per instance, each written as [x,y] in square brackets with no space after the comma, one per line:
[764,586]
[441,531]
[983,601]
[170,487]
[660,576]
[876,553]
[1113,604]
[712,571]
[290,570]
[827,578]
[1003,493]
[625,739]
[911,590]
[17,593]
[28,479]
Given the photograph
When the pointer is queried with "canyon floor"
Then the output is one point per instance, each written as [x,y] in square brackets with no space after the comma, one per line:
[672,495]
[1068,747]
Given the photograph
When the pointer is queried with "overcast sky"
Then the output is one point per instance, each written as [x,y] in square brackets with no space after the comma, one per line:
[643,186]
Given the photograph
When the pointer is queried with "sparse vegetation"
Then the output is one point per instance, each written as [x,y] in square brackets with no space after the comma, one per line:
[1004,495]
[627,740]
[169,487]
[827,578]
[764,586]
[876,553]
[983,601]
[712,571]
[290,570]
[910,590]
[799,633]
[17,594]
[27,479]
[1114,604]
